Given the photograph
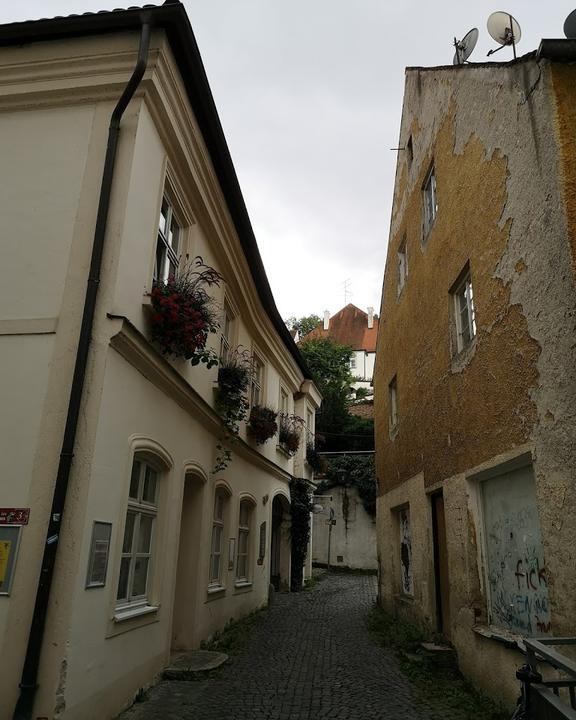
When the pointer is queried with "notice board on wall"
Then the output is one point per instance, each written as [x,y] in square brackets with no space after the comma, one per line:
[517,579]
[9,540]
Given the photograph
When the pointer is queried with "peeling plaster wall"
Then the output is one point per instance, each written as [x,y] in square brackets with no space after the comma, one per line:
[501,140]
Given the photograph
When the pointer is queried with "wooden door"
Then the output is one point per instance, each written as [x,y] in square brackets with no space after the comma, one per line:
[441,573]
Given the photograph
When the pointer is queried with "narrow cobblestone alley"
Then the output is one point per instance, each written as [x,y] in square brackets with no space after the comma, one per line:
[311,656]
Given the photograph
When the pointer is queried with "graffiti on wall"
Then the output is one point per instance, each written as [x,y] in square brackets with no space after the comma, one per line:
[517,577]
[406,551]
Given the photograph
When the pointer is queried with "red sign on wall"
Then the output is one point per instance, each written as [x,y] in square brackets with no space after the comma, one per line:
[14,516]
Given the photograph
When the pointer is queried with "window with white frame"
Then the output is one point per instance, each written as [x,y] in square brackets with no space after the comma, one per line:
[283,402]
[402,259]
[464,315]
[137,545]
[244,532]
[393,403]
[167,243]
[226,333]
[353,362]
[217,543]
[430,202]
[256,396]
[310,427]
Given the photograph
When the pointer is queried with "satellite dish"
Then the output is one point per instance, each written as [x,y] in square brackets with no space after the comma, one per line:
[570,25]
[505,30]
[465,46]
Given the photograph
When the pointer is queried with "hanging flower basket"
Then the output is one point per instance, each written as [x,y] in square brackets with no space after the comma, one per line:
[234,375]
[290,432]
[262,424]
[184,314]
[314,459]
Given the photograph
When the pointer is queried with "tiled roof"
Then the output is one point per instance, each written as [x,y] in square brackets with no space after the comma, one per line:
[349,326]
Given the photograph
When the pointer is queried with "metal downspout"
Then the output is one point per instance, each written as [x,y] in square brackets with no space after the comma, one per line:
[28,682]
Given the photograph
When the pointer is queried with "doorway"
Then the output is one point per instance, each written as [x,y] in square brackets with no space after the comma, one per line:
[441,574]
[185,596]
[280,544]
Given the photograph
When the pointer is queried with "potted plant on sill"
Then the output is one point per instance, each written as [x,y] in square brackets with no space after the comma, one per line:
[262,424]
[184,314]
[289,432]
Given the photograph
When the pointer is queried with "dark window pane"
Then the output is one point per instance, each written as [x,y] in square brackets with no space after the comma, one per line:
[140,576]
[149,491]
[123,580]
[128,532]
[134,479]
[145,534]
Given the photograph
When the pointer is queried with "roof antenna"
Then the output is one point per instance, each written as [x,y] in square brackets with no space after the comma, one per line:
[465,46]
[505,30]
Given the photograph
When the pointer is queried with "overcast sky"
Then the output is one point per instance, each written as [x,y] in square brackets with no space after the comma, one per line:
[309,93]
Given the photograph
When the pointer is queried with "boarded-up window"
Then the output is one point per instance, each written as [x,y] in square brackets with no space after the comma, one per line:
[516,567]
[405,551]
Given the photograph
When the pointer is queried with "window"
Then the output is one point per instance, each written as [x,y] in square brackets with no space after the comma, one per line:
[244,529]
[405,551]
[402,266]
[430,201]
[393,403]
[226,334]
[353,362]
[409,151]
[167,244]
[464,315]
[283,402]
[217,544]
[310,427]
[515,563]
[138,534]
[256,382]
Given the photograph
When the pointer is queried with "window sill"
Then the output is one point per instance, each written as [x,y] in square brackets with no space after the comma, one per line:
[509,639]
[284,451]
[243,585]
[463,357]
[215,591]
[128,613]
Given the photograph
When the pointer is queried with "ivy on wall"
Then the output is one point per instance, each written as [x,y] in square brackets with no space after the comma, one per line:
[353,471]
[300,529]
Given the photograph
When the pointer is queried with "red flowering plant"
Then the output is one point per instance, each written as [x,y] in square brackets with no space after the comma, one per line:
[184,313]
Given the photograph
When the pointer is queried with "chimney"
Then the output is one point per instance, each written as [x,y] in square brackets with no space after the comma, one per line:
[326,319]
[370,317]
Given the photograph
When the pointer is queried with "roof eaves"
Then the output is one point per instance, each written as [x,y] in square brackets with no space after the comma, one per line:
[172,17]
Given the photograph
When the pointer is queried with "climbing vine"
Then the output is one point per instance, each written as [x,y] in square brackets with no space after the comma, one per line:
[353,470]
[300,528]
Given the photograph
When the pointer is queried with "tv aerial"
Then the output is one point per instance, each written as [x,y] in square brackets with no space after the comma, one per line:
[570,26]
[465,46]
[505,30]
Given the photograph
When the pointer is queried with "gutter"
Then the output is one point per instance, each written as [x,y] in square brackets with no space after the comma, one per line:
[28,682]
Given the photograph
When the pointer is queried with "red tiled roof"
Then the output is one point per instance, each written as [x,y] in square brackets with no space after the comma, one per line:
[349,326]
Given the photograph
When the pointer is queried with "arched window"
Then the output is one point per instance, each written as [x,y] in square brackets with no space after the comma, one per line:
[243,569]
[137,545]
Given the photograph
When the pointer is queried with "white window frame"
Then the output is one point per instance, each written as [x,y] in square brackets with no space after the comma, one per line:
[226,332]
[168,242]
[139,508]
[464,312]
[402,260]
[244,531]
[283,401]
[429,201]
[215,579]
[257,381]
[393,403]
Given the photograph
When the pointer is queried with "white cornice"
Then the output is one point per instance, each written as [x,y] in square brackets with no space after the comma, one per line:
[137,351]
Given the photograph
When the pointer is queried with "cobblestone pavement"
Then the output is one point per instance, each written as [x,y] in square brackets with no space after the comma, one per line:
[310,657]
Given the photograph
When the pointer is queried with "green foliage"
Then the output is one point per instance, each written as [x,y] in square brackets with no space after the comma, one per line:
[358,471]
[301,506]
[234,375]
[441,688]
[290,432]
[304,325]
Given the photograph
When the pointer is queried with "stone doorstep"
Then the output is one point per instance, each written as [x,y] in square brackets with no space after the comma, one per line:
[187,666]
[443,655]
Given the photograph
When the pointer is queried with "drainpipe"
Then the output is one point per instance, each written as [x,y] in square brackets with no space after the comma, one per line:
[28,682]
